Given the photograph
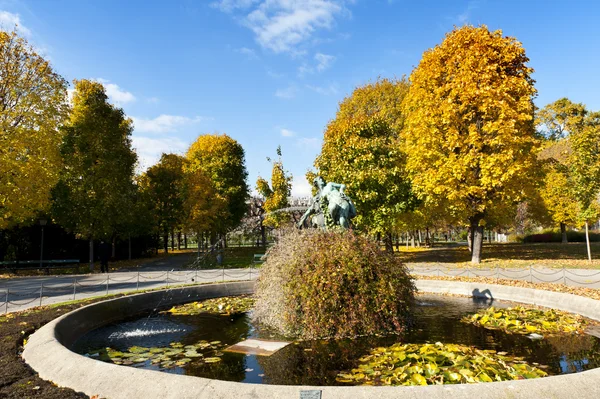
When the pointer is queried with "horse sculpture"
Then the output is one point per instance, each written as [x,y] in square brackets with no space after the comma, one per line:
[330,207]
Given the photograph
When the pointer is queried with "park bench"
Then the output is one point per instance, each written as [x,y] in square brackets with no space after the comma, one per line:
[14,266]
[258,259]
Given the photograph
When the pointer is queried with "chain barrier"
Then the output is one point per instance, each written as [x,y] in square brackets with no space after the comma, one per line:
[46,292]
[583,275]
[548,281]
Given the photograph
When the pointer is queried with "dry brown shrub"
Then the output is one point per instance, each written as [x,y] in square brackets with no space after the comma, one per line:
[317,284]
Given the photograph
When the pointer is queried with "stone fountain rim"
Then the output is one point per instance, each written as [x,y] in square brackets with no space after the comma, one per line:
[47,354]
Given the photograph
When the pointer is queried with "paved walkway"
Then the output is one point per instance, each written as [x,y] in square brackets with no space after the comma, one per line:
[21,293]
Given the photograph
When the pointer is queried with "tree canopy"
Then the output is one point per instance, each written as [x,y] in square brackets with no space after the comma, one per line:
[469,135]
[360,149]
[33,104]
[276,195]
[96,183]
[222,159]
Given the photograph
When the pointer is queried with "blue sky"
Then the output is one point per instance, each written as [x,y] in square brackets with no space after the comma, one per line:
[271,72]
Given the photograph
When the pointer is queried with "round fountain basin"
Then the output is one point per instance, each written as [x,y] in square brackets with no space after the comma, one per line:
[47,352]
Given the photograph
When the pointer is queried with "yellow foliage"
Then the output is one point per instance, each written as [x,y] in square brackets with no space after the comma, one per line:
[33,99]
[469,134]
[360,149]
[221,159]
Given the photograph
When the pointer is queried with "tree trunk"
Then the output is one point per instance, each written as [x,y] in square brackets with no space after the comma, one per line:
[587,241]
[563,232]
[129,246]
[91,254]
[185,240]
[114,248]
[172,240]
[477,239]
[389,243]
[166,241]
[179,240]
[470,239]
[263,235]
[199,240]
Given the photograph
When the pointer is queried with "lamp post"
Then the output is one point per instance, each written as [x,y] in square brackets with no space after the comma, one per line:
[43,222]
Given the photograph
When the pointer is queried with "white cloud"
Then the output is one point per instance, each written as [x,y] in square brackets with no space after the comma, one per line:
[231,5]
[282,25]
[248,52]
[150,149]
[465,16]
[329,90]
[163,123]
[115,93]
[301,188]
[309,142]
[8,21]
[324,61]
[287,133]
[287,93]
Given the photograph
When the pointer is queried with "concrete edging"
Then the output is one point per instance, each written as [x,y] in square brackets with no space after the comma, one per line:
[47,353]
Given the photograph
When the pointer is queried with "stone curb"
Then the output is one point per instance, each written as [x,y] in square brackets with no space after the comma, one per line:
[47,353]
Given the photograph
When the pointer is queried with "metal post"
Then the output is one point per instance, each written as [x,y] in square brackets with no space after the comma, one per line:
[42,249]
[564,276]
[167,279]
[6,303]
[74,287]
[497,273]
[223,268]
[137,285]
[250,271]
[196,276]
[530,275]
[41,293]
[107,279]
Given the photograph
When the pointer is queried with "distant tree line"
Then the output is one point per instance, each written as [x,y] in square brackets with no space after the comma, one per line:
[70,162]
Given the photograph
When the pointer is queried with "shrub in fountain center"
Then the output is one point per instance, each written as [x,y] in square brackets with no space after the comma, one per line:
[332,284]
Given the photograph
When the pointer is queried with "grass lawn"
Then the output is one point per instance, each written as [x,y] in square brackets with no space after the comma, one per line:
[510,255]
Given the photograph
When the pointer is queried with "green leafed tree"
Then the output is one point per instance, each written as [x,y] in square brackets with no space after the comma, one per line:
[33,104]
[360,149]
[222,159]
[585,169]
[469,134]
[573,156]
[94,192]
[165,186]
[276,195]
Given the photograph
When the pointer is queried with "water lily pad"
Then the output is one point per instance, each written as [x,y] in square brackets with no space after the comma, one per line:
[425,364]
[522,320]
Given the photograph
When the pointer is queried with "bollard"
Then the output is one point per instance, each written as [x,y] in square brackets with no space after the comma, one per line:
[74,287]
[497,274]
[223,268]
[137,285]
[250,272]
[6,303]
[167,279]
[107,279]
[530,275]
[564,276]
[41,293]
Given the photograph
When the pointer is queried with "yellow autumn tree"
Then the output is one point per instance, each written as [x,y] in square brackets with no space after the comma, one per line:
[469,134]
[360,149]
[33,99]
[222,160]
[276,195]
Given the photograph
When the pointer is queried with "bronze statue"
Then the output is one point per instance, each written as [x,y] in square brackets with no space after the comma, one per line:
[330,207]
